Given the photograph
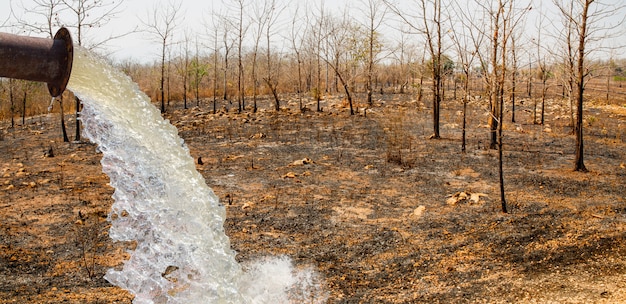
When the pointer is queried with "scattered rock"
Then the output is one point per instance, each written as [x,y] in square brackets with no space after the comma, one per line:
[301,162]
[247,205]
[258,136]
[419,211]
[290,175]
[465,197]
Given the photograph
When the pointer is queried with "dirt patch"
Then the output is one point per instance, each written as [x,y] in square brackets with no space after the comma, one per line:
[363,199]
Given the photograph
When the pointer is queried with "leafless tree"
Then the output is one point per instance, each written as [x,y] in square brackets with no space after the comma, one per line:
[238,22]
[272,18]
[589,25]
[317,42]
[568,61]
[228,45]
[183,65]
[297,34]
[161,23]
[89,15]
[49,11]
[260,10]
[503,17]
[343,51]
[543,72]
[375,12]
[428,21]
[12,101]
[466,54]
[402,56]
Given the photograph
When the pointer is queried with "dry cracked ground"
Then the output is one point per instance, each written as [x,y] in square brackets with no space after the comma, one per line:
[384,214]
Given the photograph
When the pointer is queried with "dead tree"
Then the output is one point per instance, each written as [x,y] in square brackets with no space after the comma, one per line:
[297,34]
[589,19]
[375,12]
[89,15]
[272,17]
[160,23]
[428,21]
[47,10]
[466,53]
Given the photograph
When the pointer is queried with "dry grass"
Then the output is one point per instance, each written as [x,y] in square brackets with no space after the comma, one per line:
[351,211]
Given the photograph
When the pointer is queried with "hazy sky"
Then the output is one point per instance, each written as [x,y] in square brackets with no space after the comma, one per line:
[194,15]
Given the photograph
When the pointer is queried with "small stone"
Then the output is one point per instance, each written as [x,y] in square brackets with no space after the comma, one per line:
[419,211]
[290,175]
[301,162]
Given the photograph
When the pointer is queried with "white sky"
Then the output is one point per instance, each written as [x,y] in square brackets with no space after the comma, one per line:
[194,15]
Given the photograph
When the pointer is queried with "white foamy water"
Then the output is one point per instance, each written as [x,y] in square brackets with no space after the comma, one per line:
[162,203]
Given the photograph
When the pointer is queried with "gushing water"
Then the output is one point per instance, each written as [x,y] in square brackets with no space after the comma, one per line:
[162,203]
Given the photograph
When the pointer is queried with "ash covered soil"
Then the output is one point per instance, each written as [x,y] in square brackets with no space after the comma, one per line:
[384,214]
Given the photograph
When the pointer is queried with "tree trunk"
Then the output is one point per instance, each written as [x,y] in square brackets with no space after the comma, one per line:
[580,87]
[465,95]
[24,109]
[63,130]
[513,79]
[346,89]
[78,103]
[543,100]
[11,97]
[162,86]
[436,106]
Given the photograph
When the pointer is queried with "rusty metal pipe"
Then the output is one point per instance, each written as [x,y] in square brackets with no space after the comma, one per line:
[38,59]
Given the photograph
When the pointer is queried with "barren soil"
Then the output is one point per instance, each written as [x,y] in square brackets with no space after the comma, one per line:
[385,214]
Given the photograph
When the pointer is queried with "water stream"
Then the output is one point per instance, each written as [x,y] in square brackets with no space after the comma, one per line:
[163,204]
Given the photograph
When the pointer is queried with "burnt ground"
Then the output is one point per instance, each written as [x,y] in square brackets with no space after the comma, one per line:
[385,214]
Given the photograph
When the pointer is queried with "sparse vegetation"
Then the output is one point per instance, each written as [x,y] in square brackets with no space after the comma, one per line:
[325,190]
[353,188]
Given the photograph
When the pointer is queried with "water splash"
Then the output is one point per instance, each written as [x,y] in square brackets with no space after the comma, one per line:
[162,203]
